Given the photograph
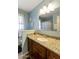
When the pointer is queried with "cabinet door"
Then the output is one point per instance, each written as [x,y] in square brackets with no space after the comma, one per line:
[38,50]
[36,55]
[52,55]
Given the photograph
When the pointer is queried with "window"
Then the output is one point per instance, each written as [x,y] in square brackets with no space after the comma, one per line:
[21,22]
[39,25]
[46,25]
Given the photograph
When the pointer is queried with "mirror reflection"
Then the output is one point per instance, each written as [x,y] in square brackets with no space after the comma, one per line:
[49,18]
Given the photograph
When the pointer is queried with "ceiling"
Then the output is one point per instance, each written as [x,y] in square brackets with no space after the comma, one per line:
[28,5]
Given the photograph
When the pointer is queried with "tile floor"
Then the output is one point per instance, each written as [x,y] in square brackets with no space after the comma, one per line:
[20,56]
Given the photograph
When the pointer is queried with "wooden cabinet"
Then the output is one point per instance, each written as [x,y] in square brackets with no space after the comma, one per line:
[37,51]
[52,55]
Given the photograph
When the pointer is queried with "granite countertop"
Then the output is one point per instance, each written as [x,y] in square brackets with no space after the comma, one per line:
[50,43]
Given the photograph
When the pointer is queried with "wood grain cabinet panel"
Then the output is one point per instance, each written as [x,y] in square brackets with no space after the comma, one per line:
[40,49]
[52,55]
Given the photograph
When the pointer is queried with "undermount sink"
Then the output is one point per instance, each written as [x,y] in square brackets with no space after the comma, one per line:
[42,39]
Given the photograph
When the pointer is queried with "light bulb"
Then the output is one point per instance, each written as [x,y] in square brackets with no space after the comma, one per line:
[42,11]
[46,10]
[51,7]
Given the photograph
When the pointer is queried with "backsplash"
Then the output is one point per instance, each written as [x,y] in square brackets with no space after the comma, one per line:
[49,33]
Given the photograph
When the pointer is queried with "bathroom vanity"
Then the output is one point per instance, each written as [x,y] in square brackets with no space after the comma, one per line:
[43,47]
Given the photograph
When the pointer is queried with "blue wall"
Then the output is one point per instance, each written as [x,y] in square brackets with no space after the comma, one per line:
[26,18]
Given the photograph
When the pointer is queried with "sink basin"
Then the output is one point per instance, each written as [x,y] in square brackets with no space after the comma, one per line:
[42,39]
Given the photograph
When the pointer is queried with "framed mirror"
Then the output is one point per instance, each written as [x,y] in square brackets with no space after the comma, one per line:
[50,21]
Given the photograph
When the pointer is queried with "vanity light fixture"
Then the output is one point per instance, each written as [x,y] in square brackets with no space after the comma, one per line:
[51,7]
